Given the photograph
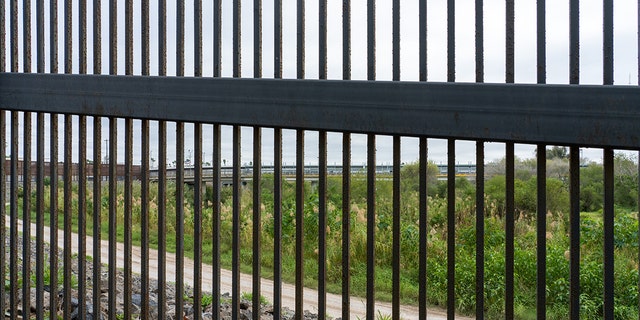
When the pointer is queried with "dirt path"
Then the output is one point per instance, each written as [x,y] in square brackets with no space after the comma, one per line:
[334,301]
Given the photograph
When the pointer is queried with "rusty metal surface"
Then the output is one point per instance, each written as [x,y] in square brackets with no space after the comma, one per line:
[560,114]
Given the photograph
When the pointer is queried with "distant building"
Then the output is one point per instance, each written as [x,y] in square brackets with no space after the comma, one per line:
[104,170]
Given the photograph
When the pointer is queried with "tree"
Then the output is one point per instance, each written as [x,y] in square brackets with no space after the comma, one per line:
[557,152]
[410,176]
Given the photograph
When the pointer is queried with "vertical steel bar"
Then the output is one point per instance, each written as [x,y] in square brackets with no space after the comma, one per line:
[479,40]
[144,49]
[39,35]
[371,39]
[3,197]
[39,219]
[237,41]
[26,36]
[322,224]
[509,230]
[300,39]
[128,203]
[371,225]
[97,210]
[82,217]
[53,218]
[396,40]
[197,38]
[68,36]
[179,313]
[277,168]
[479,227]
[574,233]
[235,254]
[574,167]
[510,42]
[217,35]
[13,236]
[395,313]
[422,40]
[423,232]
[113,40]
[26,215]
[299,303]
[162,38]
[113,222]
[257,167]
[3,55]
[346,42]
[541,234]
[53,36]
[13,26]
[574,41]
[451,41]
[162,219]
[217,141]
[608,221]
[144,168]
[346,225]
[82,36]
[479,37]
[128,42]
[277,39]
[180,38]
[395,259]
[197,228]
[607,42]
[257,38]
[322,39]
[68,189]
[144,217]
[257,222]
[451,231]
[97,40]
[277,223]
[541,41]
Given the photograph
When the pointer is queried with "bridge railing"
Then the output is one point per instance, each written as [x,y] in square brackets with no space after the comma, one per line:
[145,110]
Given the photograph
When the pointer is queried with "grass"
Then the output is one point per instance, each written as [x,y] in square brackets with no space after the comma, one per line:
[557,242]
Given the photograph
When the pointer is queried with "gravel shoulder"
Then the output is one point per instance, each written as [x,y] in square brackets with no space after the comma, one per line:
[334,301]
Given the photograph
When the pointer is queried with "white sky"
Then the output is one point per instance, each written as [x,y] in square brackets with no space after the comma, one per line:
[625,59]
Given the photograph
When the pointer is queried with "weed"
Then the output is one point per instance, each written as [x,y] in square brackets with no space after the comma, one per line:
[206,300]
[249,297]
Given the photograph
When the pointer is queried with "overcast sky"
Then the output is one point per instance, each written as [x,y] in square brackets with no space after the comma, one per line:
[625,53]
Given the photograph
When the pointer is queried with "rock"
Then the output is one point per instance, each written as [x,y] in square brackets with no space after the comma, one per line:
[104,282]
[45,299]
[267,309]
[136,299]
[246,315]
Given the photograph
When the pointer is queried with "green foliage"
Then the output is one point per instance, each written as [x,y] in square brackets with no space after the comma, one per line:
[206,300]
[557,152]
[249,297]
[525,187]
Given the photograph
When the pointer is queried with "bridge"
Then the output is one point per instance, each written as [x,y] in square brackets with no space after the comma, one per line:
[311,172]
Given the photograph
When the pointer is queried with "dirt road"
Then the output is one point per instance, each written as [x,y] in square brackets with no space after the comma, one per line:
[334,301]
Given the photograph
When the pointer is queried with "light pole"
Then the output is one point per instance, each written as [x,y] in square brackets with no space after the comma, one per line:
[106,147]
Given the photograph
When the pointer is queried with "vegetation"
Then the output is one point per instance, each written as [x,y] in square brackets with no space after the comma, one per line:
[557,241]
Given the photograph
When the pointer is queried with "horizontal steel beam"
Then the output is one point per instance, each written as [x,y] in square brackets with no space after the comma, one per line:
[554,114]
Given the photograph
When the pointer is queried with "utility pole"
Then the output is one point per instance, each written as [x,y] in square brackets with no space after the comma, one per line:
[106,146]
